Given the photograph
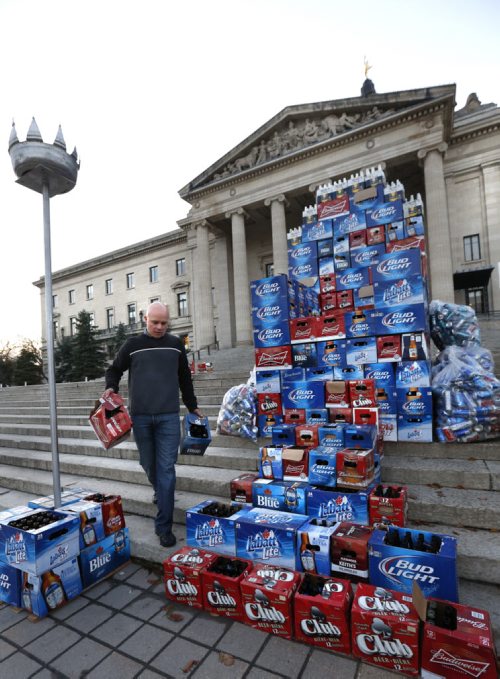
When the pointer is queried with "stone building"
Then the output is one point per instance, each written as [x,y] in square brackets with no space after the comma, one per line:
[244,203]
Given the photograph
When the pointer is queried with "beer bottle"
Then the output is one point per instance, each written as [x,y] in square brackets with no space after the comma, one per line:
[412,349]
[119,541]
[52,590]
[26,593]
[291,497]
[307,555]
[88,531]
[267,467]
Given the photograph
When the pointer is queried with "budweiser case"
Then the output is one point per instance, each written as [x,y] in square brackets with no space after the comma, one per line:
[182,575]
[385,629]
[267,597]
[322,613]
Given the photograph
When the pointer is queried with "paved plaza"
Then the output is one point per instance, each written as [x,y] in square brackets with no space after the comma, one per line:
[124,627]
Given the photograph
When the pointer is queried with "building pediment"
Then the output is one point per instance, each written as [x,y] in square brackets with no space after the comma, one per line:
[297,129]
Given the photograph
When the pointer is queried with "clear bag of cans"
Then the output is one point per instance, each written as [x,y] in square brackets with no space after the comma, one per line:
[453,324]
[238,411]
[466,395]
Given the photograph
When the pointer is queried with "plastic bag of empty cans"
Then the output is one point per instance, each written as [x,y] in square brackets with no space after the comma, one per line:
[466,395]
[453,324]
[238,411]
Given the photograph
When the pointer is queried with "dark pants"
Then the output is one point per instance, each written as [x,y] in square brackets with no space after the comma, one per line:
[158,438]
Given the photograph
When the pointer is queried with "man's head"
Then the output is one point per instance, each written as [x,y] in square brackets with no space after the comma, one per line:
[156,319]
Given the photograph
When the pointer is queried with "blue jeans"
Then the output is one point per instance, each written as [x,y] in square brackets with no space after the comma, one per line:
[157,438]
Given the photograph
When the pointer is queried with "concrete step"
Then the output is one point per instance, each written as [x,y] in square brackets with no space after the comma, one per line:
[425,471]
[207,480]
[483,450]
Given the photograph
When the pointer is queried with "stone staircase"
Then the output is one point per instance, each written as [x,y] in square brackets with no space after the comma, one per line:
[454,489]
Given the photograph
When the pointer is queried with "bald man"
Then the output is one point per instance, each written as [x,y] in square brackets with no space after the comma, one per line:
[157,368]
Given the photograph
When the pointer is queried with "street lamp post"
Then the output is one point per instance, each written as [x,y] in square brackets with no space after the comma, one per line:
[47,169]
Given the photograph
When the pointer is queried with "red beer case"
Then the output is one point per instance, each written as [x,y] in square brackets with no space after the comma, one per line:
[388,504]
[322,612]
[349,551]
[221,586]
[112,511]
[182,575]
[241,487]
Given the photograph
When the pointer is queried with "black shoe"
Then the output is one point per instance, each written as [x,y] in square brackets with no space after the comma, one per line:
[167,540]
[155,501]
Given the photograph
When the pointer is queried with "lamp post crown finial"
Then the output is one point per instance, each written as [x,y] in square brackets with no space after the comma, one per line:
[59,140]
[34,132]
[13,136]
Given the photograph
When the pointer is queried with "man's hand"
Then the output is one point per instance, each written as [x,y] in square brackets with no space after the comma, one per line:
[198,413]
[107,393]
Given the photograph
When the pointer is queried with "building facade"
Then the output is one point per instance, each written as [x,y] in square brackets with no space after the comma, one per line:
[243,205]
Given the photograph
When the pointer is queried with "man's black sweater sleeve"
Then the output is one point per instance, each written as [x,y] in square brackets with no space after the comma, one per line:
[186,383]
[121,363]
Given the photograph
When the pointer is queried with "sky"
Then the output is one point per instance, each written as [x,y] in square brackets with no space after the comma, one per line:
[153,92]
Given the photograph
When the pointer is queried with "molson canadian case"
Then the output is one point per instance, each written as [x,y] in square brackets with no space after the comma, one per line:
[267,598]
[322,612]
[385,629]
[182,575]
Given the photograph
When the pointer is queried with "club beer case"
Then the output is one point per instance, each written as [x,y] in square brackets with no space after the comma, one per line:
[221,586]
[182,575]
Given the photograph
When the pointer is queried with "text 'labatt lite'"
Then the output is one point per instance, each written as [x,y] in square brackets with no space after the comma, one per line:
[267,597]
[385,629]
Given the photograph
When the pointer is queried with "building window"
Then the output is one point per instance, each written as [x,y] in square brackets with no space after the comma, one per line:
[182,304]
[153,274]
[62,333]
[90,291]
[71,296]
[180,267]
[72,326]
[472,248]
[131,314]
[130,280]
[55,301]
[92,318]
[109,286]
[110,318]
[477,298]
[56,329]
[269,269]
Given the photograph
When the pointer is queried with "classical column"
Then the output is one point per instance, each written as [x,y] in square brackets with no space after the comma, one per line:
[278,223]
[491,180]
[204,330]
[241,282]
[438,228]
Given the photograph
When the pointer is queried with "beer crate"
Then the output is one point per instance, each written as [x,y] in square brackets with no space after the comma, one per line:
[182,575]
[10,585]
[51,590]
[208,531]
[284,496]
[220,586]
[98,561]
[349,551]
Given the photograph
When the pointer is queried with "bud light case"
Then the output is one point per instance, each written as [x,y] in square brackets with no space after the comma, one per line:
[358,324]
[381,373]
[221,587]
[404,319]
[267,598]
[303,261]
[283,496]
[10,585]
[216,533]
[182,575]
[331,436]
[353,278]
[103,558]
[303,395]
[269,536]
[266,423]
[367,256]
[385,629]
[268,382]
[397,265]
[316,416]
[384,213]
[330,353]
[322,467]
[272,336]
[283,435]
[270,316]
[322,613]
[39,550]
[339,505]
[414,402]
[398,567]
[52,590]
[269,291]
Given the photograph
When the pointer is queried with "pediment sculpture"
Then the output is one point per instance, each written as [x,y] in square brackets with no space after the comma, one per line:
[298,135]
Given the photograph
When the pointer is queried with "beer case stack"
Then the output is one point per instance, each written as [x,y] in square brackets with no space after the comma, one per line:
[48,556]
[348,328]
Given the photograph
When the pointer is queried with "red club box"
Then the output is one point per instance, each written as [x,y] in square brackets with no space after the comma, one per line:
[322,612]
[327,283]
[303,329]
[362,393]
[273,357]
[388,348]
[330,326]
[182,575]
[375,235]
[307,435]
[349,551]
[345,300]
[112,511]
[457,641]
[385,629]
[328,302]
[267,597]
[355,468]
[269,404]
[241,487]
[221,586]
[295,464]
[388,504]
[336,415]
[295,415]
[337,394]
